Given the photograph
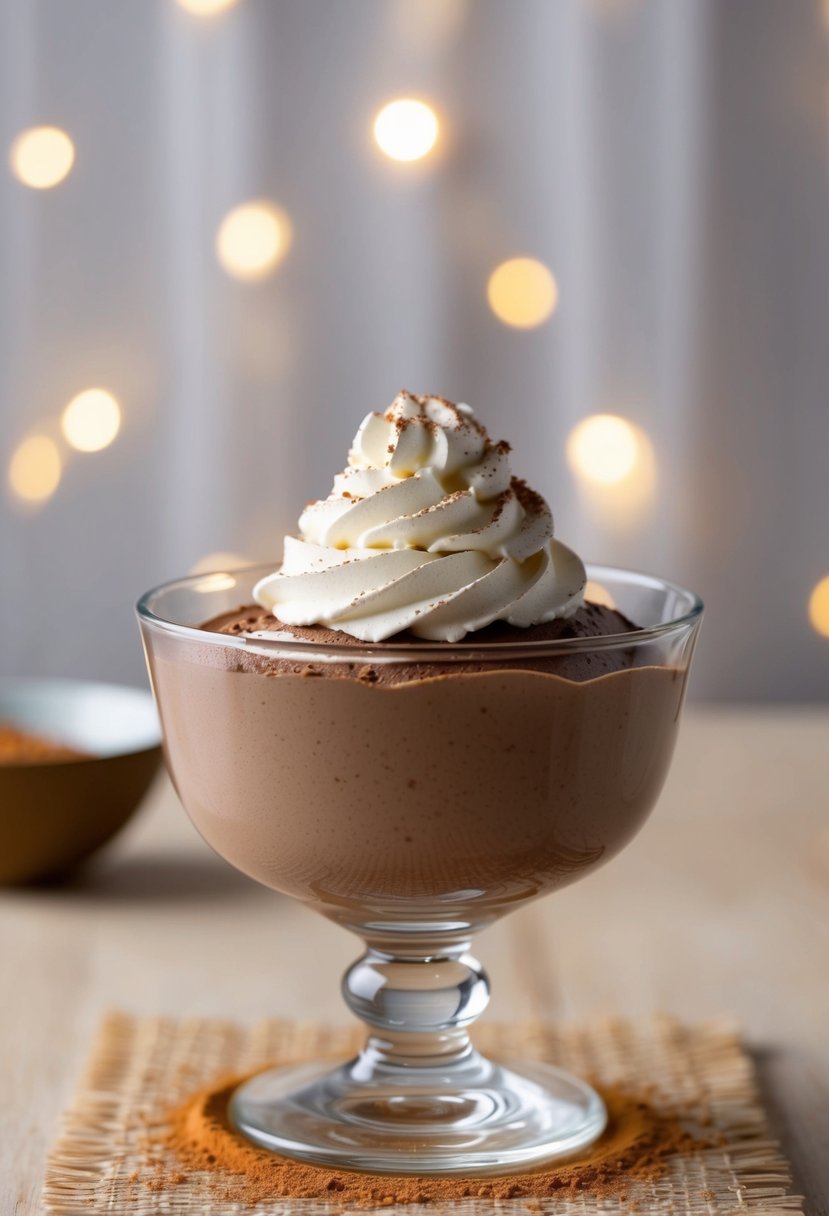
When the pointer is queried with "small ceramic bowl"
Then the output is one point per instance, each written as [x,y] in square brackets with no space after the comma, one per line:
[53,815]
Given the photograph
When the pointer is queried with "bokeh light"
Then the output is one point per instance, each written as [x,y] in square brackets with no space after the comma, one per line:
[406,129]
[615,465]
[91,420]
[522,293]
[597,593]
[207,8]
[41,157]
[253,239]
[221,560]
[214,567]
[35,469]
[819,607]
[604,449]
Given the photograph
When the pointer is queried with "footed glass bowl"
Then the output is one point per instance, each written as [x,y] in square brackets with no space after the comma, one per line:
[414,793]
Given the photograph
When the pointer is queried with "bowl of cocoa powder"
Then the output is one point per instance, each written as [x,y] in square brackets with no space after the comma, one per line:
[76,759]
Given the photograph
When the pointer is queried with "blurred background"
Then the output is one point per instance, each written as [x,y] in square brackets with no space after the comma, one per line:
[229,228]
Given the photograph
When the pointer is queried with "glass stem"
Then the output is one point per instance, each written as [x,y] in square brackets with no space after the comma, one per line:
[418,1007]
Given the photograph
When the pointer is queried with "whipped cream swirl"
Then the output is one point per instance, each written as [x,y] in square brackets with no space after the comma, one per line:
[425,530]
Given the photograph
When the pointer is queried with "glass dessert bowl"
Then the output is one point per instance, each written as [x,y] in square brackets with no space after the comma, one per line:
[414,792]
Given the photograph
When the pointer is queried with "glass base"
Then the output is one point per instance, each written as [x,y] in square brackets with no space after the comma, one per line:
[473,1117]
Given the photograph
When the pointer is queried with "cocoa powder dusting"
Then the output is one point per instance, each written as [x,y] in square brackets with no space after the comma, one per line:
[635,1148]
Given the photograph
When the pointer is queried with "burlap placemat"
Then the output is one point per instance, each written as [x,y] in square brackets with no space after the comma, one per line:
[142,1067]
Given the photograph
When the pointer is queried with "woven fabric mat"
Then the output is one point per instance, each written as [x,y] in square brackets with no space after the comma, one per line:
[142,1066]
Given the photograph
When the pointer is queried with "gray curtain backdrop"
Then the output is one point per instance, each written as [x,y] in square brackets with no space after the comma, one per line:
[667,159]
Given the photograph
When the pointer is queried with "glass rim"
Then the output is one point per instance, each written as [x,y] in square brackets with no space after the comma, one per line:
[425,651]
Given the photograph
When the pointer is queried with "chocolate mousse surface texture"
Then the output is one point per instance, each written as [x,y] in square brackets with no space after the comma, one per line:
[590,621]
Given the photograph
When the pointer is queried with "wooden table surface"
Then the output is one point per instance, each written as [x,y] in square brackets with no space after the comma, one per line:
[720,906]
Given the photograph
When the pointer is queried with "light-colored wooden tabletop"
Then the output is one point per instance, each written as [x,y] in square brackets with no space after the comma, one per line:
[720,906]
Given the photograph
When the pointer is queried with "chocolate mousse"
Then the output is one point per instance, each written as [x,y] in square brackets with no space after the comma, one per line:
[590,621]
[384,786]
[415,724]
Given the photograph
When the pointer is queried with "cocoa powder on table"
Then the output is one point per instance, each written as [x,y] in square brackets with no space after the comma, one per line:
[636,1147]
